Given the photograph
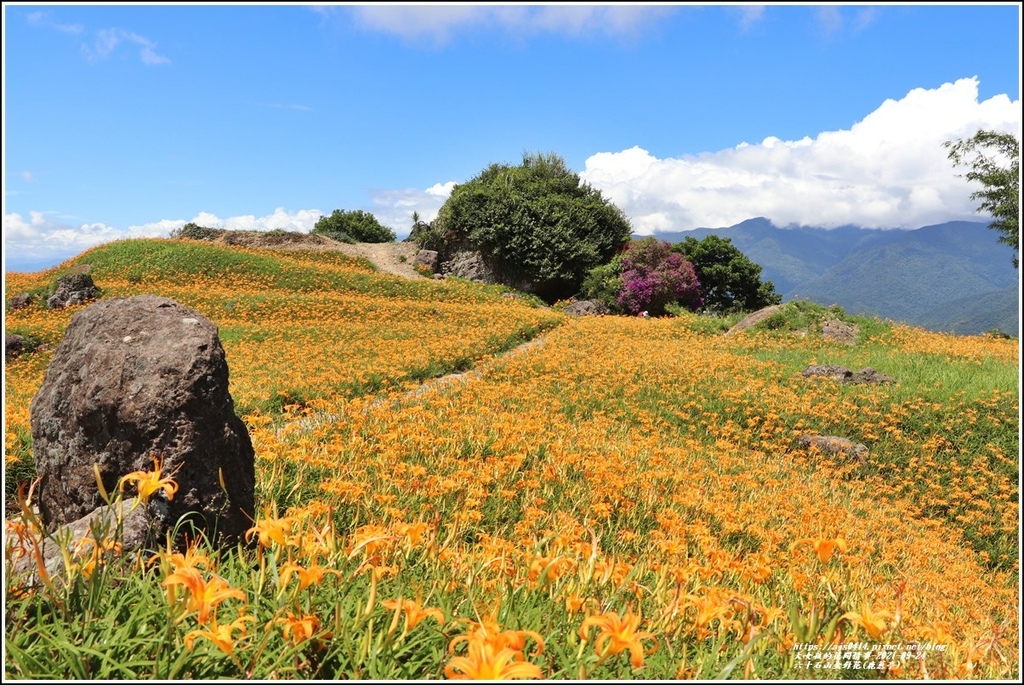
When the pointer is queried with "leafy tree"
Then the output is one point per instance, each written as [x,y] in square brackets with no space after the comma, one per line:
[537,225]
[353,226]
[654,275]
[994,160]
[729,281]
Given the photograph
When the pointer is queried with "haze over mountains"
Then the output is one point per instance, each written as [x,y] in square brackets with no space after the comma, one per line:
[954,277]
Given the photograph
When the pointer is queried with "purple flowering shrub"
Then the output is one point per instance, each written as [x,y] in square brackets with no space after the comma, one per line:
[654,276]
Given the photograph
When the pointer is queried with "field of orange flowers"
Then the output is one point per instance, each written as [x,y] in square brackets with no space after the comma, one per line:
[624,499]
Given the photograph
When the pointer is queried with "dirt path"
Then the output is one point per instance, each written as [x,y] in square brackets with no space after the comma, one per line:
[391,258]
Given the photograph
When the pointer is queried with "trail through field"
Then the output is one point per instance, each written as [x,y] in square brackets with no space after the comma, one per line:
[391,258]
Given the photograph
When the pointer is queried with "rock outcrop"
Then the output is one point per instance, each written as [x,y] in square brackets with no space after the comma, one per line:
[72,289]
[136,379]
[468,265]
[586,308]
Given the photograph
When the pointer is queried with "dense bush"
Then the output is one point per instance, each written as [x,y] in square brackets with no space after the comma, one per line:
[537,225]
[729,281]
[353,226]
[653,276]
[604,283]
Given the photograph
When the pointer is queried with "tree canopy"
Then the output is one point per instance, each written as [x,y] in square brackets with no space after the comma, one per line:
[729,281]
[994,161]
[537,225]
[353,226]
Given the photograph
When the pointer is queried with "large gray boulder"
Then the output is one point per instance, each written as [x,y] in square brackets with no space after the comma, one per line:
[135,379]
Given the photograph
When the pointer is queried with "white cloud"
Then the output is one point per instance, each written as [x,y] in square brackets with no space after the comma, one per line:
[888,170]
[439,23]
[394,208]
[43,19]
[40,239]
[749,15]
[107,40]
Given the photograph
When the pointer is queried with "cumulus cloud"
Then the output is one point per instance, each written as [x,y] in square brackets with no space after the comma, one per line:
[41,240]
[107,40]
[394,208]
[889,170]
[439,23]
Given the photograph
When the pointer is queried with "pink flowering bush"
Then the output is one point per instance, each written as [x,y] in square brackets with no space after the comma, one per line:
[654,276]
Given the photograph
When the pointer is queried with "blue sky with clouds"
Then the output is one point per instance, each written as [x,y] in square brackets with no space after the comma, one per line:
[124,121]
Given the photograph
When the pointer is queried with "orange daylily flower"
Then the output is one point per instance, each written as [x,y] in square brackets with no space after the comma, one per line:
[617,634]
[414,613]
[825,547]
[148,483]
[222,636]
[307,576]
[873,622]
[204,595]
[271,530]
[298,629]
[486,661]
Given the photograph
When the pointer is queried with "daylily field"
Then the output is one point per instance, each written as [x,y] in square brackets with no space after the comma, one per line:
[623,498]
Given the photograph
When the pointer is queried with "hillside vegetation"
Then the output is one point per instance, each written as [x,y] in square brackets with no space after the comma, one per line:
[624,499]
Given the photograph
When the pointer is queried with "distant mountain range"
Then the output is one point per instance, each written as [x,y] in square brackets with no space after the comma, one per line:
[954,277]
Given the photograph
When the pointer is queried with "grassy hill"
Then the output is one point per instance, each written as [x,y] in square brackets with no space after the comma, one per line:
[625,499]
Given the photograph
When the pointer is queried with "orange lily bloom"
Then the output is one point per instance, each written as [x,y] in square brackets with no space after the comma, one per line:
[149,483]
[617,634]
[307,576]
[204,595]
[487,661]
[491,633]
[298,629]
[825,547]
[222,636]
[873,622]
[414,613]
[271,530]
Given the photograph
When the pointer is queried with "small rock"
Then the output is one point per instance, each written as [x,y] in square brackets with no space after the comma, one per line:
[834,445]
[837,331]
[426,258]
[21,300]
[754,318]
[14,345]
[587,308]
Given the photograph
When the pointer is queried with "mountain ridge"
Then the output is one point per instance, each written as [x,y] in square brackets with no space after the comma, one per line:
[909,275]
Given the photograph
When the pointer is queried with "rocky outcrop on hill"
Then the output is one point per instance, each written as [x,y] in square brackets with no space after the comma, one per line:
[587,308]
[72,289]
[468,265]
[136,379]
[845,375]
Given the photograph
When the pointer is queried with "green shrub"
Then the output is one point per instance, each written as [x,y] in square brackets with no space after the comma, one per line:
[353,227]
[536,224]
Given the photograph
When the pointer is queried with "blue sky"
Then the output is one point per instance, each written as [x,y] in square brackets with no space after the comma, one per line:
[125,121]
